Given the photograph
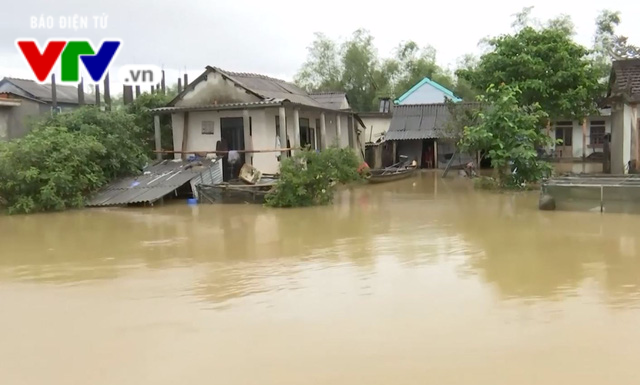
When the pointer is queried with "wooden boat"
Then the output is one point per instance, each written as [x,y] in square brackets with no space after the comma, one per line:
[390,174]
[397,171]
[236,191]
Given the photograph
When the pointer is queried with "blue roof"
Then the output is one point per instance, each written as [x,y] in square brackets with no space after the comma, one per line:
[430,82]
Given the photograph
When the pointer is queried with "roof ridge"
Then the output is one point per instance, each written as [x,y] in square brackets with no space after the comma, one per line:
[251,74]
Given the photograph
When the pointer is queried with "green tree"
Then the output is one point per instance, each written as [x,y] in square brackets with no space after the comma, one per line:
[546,65]
[322,70]
[140,109]
[356,68]
[510,135]
[608,46]
[50,169]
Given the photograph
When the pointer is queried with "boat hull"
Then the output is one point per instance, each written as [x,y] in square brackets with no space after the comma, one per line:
[384,176]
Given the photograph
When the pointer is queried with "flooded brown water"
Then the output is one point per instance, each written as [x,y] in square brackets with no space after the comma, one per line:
[421,281]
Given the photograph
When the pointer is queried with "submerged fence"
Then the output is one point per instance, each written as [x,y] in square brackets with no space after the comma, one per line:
[595,192]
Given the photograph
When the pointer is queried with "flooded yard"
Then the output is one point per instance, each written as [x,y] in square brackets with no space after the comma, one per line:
[420,281]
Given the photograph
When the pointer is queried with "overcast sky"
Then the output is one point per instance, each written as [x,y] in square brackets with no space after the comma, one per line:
[271,37]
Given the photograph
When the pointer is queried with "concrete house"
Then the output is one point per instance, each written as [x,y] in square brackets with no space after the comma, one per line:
[580,138]
[377,122]
[248,111]
[426,92]
[22,100]
[624,99]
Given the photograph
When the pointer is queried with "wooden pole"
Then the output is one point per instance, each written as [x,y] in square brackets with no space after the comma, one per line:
[152,89]
[158,137]
[323,131]
[164,90]
[81,92]
[186,81]
[283,130]
[584,139]
[54,96]
[98,95]
[127,94]
[247,130]
[179,85]
[137,91]
[339,130]
[107,93]
[296,128]
[185,134]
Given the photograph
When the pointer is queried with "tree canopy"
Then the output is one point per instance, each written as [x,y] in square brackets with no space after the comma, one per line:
[356,67]
[547,67]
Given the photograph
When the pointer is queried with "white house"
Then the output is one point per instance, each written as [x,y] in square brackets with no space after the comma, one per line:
[580,139]
[247,110]
[624,98]
[426,92]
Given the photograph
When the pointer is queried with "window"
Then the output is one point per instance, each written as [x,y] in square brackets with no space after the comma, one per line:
[385,105]
[596,132]
[207,127]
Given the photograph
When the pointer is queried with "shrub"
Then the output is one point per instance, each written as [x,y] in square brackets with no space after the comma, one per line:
[67,156]
[309,178]
[50,169]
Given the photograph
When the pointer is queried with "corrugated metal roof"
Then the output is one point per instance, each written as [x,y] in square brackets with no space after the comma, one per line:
[228,106]
[158,180]
[330,99]
[64,94]
[418,121]
[627,78]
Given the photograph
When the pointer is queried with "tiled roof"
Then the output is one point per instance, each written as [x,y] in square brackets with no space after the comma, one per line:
[270,88]
[330,99]
[64,94]
[626,78]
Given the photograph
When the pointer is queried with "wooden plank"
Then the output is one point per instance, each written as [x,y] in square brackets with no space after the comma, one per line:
[81,92]
[54,96]
[107,93]
[158,138]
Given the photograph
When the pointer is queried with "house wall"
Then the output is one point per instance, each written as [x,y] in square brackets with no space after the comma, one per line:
[410,148]
[375,126]
[5,113]
[426,94]
[576,137]
[18,119]
[263,132]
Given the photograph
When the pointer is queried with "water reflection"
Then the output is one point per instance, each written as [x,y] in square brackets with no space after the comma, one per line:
[242,250]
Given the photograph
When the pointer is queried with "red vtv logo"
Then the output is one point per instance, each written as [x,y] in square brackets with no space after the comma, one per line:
[70,53]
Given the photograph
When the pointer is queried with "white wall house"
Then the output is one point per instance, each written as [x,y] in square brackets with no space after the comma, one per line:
[426,92]
[624,98]
[580,140]
[247,110]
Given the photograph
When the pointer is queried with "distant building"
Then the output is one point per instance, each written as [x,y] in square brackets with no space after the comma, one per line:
[242,111]
[377,122]
[22,100]
[427,92]
[624,98]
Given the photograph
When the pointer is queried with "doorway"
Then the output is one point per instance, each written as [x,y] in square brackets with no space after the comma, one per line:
[428,153]
[232,132]
[564,131]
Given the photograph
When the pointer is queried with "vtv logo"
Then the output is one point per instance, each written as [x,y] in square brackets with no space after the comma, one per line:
[70,54]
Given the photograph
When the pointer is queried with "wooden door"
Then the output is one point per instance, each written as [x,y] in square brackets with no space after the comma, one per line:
[564,132]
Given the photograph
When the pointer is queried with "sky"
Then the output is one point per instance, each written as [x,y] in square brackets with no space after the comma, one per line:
[271,37]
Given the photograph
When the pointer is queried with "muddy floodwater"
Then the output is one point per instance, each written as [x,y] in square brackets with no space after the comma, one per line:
[420,281]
